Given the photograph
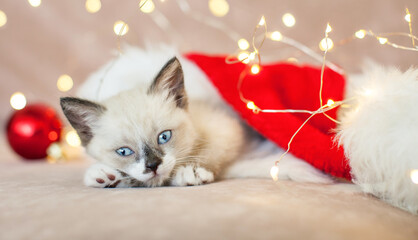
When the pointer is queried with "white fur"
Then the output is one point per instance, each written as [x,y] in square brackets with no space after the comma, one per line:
[380,134]
[137,66]
[258,162]
[101,171]
[189,175]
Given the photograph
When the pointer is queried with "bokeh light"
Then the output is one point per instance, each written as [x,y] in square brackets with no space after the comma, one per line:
[288,20]
[18,100]
[72,138]
[360,34]
[64,83]
[414,176]
[3,18]
[326,44]
[219,8]
[255,69]
[276,36]
[243,44]
[120,28]
[93,6]
[35,3]
[147,6]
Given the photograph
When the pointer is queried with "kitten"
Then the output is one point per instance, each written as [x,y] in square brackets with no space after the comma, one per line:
[155,135]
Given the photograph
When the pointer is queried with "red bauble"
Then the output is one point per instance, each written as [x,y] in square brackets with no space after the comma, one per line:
[31,130]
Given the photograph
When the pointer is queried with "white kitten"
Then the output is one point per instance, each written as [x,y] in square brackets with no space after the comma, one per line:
[153,135]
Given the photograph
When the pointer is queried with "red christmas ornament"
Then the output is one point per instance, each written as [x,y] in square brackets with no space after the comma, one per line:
[31,130]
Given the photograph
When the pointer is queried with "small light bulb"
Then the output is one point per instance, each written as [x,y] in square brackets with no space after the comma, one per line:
[255,69]
[382,40]
[147,6]
[243,44]
[414,176]
[18,101]
[243,56]
[35,3]
[360,34]
[252,56]
[330,102]
[288,20]
[64,83]
[274,172]
[251,105]
[72,138]
[408,17]
[326,44]
[219,8]
[3,18]
[276,36]
[329,29]
[120,28]
[262,21]
[93,6]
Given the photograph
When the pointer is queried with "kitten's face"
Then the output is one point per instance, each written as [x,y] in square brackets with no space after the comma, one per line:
[142,132]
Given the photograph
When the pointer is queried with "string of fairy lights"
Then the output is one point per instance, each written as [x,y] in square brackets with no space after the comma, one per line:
[220,8]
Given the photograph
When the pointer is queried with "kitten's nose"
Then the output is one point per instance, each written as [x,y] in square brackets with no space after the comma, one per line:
[153,164]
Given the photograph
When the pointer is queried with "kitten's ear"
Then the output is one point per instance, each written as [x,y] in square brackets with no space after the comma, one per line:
[170,78]
[82,114]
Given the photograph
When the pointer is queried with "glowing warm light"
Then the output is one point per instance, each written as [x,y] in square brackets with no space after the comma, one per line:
[251,105]
[18,101]
[262,21]
[326,44]
[54,152]
[243,57]
[288,20]
[330,102]
[292,60]
[120,28]
[252,56]
[360,34]
[255,69]
[3,18]
[147,6]
[72,138]
[329,29]
[35,3]
[52,135]
[382,40]
[276,36]
[93,6]
[64,83]
[274,172]
[219,8]
[368,92]
[408,17]
[414,176]
[243,44]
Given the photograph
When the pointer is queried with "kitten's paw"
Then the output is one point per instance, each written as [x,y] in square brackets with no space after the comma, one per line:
[191,176]
[102,176]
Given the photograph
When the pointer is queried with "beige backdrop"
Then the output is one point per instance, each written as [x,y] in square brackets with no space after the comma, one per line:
[37,45]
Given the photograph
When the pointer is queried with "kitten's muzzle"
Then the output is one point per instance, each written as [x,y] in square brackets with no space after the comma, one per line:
[152,164]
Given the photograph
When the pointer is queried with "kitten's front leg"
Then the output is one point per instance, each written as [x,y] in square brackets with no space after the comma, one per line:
[102,176]
[191,175]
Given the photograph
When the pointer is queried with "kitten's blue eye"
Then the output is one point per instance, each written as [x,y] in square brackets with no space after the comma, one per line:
[124,151]
[164,137]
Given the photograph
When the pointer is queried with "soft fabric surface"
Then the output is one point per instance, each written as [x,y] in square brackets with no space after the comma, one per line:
[284,86]
[44,201]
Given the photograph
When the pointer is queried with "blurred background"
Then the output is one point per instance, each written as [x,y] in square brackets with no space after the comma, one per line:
[48,48]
